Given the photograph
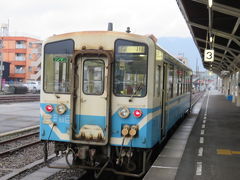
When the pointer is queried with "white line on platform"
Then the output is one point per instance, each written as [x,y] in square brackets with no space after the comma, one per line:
[200,151]
[203,126]
[204,121]
[164,167]
[199,169]
[202,132]
[201,140]
[205,117]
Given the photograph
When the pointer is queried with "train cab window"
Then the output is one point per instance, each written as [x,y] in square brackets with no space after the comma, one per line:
[130,68]
[93,76]
[57,66]
[170,80]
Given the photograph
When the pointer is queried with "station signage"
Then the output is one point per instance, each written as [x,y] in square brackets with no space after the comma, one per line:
[209,55]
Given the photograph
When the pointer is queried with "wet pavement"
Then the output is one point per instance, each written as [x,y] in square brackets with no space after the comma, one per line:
[15,116]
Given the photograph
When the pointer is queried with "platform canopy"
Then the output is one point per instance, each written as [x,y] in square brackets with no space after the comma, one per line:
[215,25]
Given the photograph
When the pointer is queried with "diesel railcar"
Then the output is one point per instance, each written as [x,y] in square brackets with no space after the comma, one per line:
[109,98]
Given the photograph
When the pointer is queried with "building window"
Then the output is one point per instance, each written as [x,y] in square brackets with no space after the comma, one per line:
[1,43]
[30,56]
[20,57]
[19,70]
[21,44]
[30,69]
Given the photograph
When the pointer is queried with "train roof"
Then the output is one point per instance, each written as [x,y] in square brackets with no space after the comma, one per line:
[150,39]
[101,33]
[174,59]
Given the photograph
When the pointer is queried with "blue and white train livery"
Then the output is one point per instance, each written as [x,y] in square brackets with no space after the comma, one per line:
[109,98]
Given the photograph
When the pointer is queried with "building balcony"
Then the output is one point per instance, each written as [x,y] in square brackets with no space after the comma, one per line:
[19,71]
[18,75]
[20,58]
[24,51]
[19,63]
[21,46]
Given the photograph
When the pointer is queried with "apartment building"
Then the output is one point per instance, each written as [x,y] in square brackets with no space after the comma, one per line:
[23,54]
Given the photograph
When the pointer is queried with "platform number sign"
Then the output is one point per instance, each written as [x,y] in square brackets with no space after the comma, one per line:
[209,55]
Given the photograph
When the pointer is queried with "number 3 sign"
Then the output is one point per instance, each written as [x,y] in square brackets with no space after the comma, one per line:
[209,55]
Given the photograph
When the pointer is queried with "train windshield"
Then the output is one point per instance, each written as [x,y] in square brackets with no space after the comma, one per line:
[57,66]
[130,69]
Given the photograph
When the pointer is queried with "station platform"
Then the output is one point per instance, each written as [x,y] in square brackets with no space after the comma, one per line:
[205,147]
[15,116]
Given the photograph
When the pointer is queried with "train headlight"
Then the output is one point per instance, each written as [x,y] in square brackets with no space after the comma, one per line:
[61,109]
[123,112]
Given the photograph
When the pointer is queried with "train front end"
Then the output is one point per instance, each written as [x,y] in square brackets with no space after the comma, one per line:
[95,101]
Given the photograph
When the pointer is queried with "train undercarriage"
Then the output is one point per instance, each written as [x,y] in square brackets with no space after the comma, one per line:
[126,161]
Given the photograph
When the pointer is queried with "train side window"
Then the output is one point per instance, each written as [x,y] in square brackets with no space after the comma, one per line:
[179,76]
[158,81]
[176,82]
[184,82]
[181,82]
[170,80]
[187,82]
[93,76]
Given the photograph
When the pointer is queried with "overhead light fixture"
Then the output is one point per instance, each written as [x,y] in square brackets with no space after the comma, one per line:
[210,3]
[211,39]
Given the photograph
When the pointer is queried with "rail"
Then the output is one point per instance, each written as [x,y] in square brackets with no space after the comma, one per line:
[18,138]
[18,98]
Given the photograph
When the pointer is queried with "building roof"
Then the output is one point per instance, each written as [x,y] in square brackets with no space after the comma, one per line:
[222,23]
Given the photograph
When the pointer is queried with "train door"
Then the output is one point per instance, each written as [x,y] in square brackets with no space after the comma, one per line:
[92,102]
[164,98]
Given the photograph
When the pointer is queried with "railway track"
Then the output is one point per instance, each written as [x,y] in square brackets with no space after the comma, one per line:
[36,166]
[196,97]
[19,98]
[5,150]
[21,153]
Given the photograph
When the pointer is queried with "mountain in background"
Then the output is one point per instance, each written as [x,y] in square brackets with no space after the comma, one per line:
[185,47]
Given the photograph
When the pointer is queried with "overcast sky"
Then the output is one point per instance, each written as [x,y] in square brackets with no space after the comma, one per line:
[43,18]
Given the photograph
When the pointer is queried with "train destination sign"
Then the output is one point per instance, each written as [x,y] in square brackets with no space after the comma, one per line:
[60,59]
[131,49]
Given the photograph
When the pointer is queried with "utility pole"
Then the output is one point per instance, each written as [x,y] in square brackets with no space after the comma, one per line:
[4,32]
[1,60]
